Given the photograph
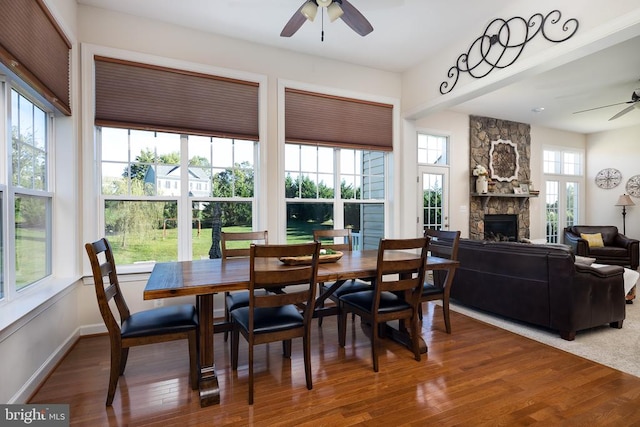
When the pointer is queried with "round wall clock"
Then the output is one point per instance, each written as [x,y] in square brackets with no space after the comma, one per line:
[608,178]
[633,186]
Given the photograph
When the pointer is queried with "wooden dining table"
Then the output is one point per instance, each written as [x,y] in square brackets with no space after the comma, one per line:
[205,278]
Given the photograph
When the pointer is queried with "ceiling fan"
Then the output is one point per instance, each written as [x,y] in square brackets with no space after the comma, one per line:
[635,103]
[335,9]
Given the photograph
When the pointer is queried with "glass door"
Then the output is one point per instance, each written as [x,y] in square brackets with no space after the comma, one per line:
[433,191]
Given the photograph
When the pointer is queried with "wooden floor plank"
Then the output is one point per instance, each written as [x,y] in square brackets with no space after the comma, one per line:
[478,375]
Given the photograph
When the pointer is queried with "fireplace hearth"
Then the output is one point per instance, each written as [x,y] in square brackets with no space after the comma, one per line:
[502,228]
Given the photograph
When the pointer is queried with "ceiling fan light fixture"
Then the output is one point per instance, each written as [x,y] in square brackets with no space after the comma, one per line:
[309,10]
[334,11]
[324,3]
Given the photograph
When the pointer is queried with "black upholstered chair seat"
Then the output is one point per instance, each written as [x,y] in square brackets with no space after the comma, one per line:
[349,287]
[364,300]
[161,320]
[271,319]
[430,289]
[239,299]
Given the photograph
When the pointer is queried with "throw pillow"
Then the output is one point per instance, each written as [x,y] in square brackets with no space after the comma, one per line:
[584,260]
[594,240]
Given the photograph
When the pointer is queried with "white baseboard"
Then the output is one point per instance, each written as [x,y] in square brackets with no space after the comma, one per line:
[95,329]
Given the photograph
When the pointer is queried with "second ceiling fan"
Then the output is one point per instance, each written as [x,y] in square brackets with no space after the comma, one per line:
[335,9]
[635,103]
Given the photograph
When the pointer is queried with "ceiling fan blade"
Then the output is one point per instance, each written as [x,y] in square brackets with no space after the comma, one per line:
[623,112]
[603,106]
[294,23]
[354,19]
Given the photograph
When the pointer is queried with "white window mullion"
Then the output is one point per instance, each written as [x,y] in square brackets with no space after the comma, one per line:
[338,203]
[184,203]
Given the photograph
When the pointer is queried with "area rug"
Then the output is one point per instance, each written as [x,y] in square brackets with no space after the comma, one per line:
[616,348]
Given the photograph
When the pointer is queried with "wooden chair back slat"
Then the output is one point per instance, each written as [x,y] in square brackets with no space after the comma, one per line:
[103,266]
[327,239]
[246,238]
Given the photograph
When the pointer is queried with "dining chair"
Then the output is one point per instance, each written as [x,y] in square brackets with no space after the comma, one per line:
[156,325]
[327,239]
[443,244]
[395,293]
[239,248]
[283,314]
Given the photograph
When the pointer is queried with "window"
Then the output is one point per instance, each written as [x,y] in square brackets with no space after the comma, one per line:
[150,221]
[27,194]
[563,177]
[432,149]
[312,175]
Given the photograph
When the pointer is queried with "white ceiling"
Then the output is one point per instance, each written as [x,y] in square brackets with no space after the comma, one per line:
[604,78]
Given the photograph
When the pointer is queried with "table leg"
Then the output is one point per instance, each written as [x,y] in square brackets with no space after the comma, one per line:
[209,389]
[403,337]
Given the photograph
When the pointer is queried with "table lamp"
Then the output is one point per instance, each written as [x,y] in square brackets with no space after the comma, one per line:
[624,201]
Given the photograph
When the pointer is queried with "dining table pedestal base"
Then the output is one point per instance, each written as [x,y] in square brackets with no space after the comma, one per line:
[398,335]
[208,382]
[209,388]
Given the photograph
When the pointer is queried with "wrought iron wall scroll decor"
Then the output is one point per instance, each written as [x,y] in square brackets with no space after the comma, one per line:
[503,42]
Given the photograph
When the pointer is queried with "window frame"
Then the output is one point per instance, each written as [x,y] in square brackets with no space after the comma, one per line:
[337,201]
[10,192]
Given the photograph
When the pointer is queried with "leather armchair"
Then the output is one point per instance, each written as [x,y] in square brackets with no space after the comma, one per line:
[618,249]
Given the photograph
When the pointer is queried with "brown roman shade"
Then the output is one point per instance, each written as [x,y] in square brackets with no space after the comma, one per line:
[36,50]
[315,118]
[143,96]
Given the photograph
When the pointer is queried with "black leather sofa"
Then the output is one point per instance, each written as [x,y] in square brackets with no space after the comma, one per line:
[618,249]
[538,284]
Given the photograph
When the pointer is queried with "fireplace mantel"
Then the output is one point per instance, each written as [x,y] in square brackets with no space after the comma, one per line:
[485,197]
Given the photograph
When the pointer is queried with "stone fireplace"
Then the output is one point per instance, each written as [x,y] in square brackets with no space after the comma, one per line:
[502,201]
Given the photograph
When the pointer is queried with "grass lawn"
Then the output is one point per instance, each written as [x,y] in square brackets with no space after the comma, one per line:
[162,246]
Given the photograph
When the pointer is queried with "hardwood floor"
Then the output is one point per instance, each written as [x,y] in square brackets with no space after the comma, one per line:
[478,375]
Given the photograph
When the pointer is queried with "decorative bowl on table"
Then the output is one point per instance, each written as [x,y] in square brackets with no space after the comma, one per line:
[328,256]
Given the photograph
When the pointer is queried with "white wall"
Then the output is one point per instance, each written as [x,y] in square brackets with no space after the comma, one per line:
[618,149]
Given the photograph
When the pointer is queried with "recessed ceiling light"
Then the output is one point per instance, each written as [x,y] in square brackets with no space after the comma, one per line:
[538,109]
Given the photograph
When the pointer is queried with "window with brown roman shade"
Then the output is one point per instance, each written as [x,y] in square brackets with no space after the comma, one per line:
[142,96]
[33,46]
[315,118]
